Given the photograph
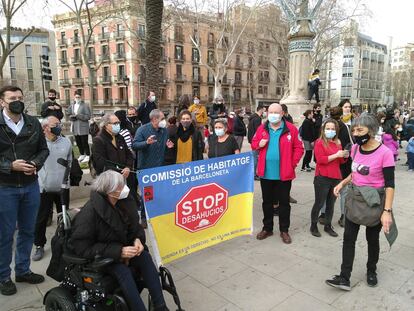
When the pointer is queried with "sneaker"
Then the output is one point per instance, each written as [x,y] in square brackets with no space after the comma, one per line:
[410,170]
[321,219]
[81,157]
[315,231]
[339,282]
[329,229]
[341,221]
[303,170]
[8,288]
[372,280]
[31,278]
[85,159]
[38,254]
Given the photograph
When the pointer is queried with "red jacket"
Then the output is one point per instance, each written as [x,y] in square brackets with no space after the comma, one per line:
[323,166]
[290,148]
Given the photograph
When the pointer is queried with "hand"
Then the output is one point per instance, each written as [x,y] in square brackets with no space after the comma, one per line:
[128,252]
[386,221]
[340,154]
[56,107]
[170,144]
[51,107]
[138,245]
[23,166]
[263,142]
[338,189]
[346,153]
[151,140]
[125,172]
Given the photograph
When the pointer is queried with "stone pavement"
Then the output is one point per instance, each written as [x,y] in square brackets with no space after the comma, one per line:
[251,275]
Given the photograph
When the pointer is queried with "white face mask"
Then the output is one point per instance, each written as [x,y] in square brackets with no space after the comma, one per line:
[162,124]
[219,132]
[196,101]
[153,98]
[274,118]
[124,193]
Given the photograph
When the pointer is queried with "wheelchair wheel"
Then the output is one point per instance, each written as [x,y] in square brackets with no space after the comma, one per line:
[59,299]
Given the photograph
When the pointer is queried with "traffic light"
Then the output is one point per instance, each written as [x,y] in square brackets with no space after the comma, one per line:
[46,71]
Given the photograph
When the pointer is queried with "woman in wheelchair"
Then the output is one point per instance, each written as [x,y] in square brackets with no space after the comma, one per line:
[108,226]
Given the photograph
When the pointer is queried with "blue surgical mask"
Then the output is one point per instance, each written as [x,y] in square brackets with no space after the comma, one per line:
[219,132]
[274,118]
[116,128]
[330,134]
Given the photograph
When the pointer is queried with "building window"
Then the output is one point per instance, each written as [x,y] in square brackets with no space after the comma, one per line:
[30,74]
[13,74]
[141,31]
[95,94]
[265,90]
[142,73]
[120,49]
[210,93]
[47,85]
[45,50]
[105,71]
[12,61]
[67,96]
[178,70]
[122,95]
[29,62]
[31,85]
[260,90]
[78,73]
[28,50]
[37,97]
[142,50]
[63,36]
[91,53]
[179,90]
[210,39]
[195,56]
[107,95]
[250,47]
[196,91]
[210,57]
[237,76]
[63,56]
[196,73]
[77,54]
[179,55]
[121,71]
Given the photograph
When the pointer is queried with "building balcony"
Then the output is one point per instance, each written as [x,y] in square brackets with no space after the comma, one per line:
[120,35]
[63,42]
[211,44]
[64,82]
[119,56]
[180,58]
[104,36]
[198,79]
[76,60]
[95,82]
[106,80]
[179,37]
[164,81]
[210,81]
[264,64]
[225,82]
[76,40]
[63,62]
[180,78]
[104,58]
[264,80]
[195,61]
[91,59]
[164,59]
[77,81]
[120,80]
[238,82]
[238,65]
[88,40]
[107,102]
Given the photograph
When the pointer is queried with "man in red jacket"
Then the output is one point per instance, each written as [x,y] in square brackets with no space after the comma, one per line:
[280,150]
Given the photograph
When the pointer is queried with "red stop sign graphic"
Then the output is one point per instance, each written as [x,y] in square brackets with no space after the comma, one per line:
[201,207]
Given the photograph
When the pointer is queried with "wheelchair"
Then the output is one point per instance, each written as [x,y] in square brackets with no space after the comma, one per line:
[85,286]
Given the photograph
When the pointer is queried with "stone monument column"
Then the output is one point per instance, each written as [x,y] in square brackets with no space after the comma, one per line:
[300,40]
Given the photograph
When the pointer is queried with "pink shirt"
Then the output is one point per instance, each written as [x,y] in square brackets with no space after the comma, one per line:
[367,168]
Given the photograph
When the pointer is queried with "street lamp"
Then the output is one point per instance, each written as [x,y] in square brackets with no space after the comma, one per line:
[126,83]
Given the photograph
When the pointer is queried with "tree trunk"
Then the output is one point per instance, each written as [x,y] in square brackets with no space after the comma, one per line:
[153,11]
[217,89]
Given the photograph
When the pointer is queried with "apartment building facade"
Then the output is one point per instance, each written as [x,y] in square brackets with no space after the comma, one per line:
[357,71]
[117,51]
[23,66]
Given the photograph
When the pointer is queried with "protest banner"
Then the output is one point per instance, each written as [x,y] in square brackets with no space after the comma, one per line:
[198,204]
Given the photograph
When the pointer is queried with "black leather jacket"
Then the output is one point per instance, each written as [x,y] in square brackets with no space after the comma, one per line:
[29,145]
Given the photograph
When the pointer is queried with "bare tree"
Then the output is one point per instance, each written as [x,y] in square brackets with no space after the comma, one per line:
[8,10]
[88,17]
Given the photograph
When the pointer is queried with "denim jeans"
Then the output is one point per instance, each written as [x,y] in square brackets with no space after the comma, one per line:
[18,205]
[127,279]
[410,160]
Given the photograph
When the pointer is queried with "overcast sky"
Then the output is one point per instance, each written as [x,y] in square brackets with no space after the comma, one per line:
[390,18]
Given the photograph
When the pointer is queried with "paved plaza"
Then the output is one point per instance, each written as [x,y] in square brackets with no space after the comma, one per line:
[247,274]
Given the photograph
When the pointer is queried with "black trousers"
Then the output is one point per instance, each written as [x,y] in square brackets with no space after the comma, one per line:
[348,248]
[314,91]
[47,199]
[83,145]
[324,193]
[307,159]
[276,191]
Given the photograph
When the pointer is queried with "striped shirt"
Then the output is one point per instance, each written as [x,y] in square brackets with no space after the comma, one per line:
[127,137]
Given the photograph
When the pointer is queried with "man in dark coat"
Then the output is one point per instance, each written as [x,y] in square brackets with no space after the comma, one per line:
[50,107]
[146,107]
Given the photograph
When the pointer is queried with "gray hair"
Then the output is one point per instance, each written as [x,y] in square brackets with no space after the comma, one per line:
[45,121]
[106,119]
[108,182]
[367,120]
[222,121]
[155,114]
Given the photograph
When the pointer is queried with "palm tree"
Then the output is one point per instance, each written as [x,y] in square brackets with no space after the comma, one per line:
[153,12]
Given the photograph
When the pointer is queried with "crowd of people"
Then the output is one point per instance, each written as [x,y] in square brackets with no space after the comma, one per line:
[350,152]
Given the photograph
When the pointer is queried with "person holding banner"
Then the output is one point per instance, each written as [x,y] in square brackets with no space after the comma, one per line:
[108,226]
[221,143]
[277,142]
[188,141]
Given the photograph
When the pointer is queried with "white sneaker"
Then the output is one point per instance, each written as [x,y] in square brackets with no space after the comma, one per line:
[85,159]
[81,157]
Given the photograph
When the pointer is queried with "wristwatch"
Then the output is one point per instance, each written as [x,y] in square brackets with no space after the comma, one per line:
[388,210]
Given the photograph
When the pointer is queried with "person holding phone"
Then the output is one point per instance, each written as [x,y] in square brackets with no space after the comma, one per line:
[329,155]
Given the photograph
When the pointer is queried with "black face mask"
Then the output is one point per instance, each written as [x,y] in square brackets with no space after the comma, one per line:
[56,130]
[16,107]
[52,98]
[362,140]
[132,119]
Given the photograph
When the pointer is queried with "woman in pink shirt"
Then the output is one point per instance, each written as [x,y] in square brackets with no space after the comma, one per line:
[373,166]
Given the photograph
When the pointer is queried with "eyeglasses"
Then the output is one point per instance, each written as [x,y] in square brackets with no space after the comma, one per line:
[115,123]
